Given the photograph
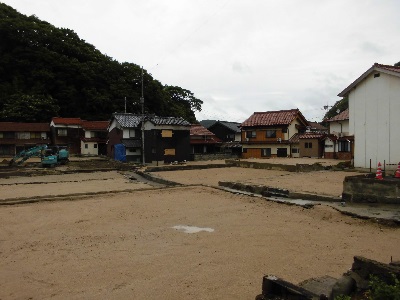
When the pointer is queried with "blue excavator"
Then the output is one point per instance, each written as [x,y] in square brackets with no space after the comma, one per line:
[50,156]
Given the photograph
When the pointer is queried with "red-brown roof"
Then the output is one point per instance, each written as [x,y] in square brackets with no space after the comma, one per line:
[271,118]
[67,121]
[197,129]
[24,127]
[312,135]
[95,125]
[344,115]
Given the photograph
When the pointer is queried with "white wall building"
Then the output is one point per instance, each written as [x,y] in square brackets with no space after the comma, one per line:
[374,116]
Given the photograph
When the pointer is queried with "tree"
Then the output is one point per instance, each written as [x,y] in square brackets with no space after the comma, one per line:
[340,105]
[29,108]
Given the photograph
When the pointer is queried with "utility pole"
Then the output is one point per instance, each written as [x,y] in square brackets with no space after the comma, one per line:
[143,119]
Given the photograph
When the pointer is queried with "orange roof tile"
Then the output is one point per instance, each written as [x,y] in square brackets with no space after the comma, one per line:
[197,129]
[67,121]
[95,125]
[344,115]
[270,118]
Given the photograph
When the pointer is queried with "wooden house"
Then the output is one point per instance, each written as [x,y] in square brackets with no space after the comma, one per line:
[16,136]
[268,134]
[149,138]
[94,139]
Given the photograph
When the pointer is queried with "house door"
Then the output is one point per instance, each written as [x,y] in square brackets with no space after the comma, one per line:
[281,152]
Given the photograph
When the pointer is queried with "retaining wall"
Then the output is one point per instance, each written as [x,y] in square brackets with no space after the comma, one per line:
[279,167]
[367,189]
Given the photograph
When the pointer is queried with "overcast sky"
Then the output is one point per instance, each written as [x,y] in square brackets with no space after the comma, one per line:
[239,56]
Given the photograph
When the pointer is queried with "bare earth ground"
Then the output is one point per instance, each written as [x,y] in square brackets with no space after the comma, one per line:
[122,245]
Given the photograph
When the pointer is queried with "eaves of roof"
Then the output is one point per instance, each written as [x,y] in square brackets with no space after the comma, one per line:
[24,127]
[391,70]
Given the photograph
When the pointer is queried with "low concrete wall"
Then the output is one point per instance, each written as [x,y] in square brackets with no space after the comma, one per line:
[216,156]
[186,167]
[268,191]
[279,167]
[367,189]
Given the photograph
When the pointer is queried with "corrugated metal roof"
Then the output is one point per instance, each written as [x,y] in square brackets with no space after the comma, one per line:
[344,115]
[270,118]
[24,127]
[128,120]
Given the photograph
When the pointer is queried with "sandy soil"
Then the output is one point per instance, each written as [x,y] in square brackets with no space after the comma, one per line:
[327,183]
[123,246]
[66,184]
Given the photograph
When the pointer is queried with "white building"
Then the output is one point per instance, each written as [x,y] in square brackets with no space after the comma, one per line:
[374,116]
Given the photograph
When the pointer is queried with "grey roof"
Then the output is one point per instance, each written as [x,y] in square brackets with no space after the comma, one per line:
[128,120]
[207,123]
[132,143]
[168,121]
[233,126]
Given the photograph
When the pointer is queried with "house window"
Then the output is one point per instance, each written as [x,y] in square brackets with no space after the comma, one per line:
[153,150]
[95,146]
[7,135]
[93,134]
[328,146]
[132,133]
[295,150]
[23,135]
[250,134]
[344,146]
[244,150]
[266,152]
[36,135]
[308,145]
[62,132]
[271,134]
[86,146]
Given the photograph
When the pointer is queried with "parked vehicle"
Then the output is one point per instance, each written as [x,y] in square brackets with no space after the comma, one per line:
[50,156]
[26,154]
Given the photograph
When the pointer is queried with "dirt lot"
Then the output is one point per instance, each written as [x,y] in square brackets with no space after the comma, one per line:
[123,245]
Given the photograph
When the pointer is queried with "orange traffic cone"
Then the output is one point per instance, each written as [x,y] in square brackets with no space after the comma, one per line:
[397,174]
[379,172]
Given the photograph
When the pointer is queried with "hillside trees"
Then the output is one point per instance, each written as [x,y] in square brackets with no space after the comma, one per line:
[39,61]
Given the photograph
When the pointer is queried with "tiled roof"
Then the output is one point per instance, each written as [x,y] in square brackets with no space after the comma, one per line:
[132,143]
[24,127]
[317,126]
[67,121]
[375,67]
[132,121]
[95,125]
[270,118]
[234,126]
[312,135]
[168,121]
[128,120]
[332,137]
[344,115]
[197,129]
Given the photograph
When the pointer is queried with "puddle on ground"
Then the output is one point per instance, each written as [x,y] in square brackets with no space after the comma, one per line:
[192,229]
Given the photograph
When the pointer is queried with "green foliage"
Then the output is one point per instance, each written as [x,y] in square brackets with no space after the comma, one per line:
[37,58]
[340,105]
[342,297]
[380,290]
[29,108]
